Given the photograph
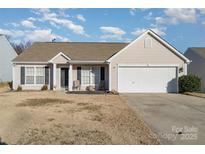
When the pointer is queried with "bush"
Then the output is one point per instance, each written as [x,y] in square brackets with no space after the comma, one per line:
[19,88]
[114,92]
[10,85]
[44,87]
[90,88]
[189,83]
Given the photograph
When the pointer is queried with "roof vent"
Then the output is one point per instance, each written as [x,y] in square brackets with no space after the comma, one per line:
[147,42]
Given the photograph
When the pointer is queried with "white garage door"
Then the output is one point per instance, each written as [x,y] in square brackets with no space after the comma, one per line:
[147,79]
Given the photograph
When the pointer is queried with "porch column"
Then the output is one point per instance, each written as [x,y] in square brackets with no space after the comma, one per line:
[109,76]
[70,84]
[54,76]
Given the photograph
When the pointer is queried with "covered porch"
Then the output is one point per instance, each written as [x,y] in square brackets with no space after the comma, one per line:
[79,77]
[73,75]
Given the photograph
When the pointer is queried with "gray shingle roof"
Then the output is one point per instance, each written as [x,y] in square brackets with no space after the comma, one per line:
[85,51]
[199,50]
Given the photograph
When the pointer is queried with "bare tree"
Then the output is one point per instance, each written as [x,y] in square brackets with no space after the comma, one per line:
[19,48]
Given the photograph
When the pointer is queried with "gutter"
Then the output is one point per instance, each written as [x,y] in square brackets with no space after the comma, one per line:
[70,62]
[86,62]
[28,62]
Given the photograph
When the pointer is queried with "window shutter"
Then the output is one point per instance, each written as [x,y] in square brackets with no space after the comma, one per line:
[46,75]
[79,73]
[102,73]
[22,75]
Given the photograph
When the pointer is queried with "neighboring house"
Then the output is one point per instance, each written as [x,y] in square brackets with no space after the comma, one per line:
[148,64]
[196,67]
[7,53]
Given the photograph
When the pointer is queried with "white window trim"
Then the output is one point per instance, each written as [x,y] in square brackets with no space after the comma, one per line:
[34,84]
[29,75]
[98,68]
[90,79]
[83,69]
[39,76]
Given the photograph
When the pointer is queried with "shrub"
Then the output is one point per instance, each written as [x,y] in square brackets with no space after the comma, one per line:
[44,87]
[10,85]
[114,92]
[19,88]
[189,83]
[90,88]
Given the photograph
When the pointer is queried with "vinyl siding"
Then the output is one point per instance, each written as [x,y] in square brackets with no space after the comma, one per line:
[60,60]
[138,54]
[17,72]
[7,54]
[106,74]
[17,78]
[196,67]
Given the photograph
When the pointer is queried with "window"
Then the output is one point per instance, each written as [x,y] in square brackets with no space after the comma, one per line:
[34,75]
[95,75]
[148,42]
[40,75]
[90,75]
[29,75]
[85,75]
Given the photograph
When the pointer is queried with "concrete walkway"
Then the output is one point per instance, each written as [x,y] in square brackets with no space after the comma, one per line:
[175,118]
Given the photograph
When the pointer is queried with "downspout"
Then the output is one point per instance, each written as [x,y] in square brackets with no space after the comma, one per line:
[185,67]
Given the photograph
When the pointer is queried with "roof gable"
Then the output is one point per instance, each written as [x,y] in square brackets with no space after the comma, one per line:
[59,58]
[154,35]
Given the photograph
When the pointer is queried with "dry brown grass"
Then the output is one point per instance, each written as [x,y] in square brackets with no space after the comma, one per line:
[43,102]
[97,117]
[58,118]
[82,104]
[196,94]
[92,107]
[56,135]
[4,87]
[4,84]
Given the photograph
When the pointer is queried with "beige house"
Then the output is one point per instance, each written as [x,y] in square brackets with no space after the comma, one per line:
[147,64]
[196,67]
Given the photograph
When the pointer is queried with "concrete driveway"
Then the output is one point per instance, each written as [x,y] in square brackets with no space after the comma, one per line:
[175,118]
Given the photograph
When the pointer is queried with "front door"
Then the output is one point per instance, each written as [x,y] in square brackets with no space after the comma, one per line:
[64,78]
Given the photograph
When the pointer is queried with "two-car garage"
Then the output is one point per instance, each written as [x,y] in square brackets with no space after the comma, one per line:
[147,79]
[148,64]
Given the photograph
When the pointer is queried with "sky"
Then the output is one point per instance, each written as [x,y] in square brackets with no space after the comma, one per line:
[182,28]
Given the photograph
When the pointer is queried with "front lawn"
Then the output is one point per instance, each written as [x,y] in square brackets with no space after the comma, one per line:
[4,86]
[57,118]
